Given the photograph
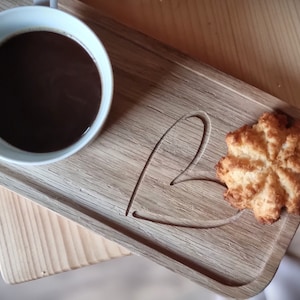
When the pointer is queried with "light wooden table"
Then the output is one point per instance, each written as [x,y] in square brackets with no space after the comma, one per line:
[256,41]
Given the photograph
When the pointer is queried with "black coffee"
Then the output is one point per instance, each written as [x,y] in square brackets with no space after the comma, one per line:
[50,91]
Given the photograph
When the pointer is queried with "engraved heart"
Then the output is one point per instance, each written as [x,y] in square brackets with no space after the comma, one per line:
[178,185]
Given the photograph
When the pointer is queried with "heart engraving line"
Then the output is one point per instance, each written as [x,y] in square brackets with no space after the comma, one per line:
[183,181]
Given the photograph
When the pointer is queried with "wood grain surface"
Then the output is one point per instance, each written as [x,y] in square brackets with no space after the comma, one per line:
[36,242]
[164,105]
[257,41]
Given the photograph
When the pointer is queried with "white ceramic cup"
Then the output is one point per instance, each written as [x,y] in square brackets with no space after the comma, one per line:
[30,18]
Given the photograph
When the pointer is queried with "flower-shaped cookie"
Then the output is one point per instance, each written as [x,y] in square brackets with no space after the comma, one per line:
[262,167]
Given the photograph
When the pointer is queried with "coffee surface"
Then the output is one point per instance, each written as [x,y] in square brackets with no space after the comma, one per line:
[50,91]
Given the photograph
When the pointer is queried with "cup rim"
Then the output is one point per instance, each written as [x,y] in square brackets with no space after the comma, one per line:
[11,154]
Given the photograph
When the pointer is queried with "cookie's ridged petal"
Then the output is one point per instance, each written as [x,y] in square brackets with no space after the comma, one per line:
[268,203]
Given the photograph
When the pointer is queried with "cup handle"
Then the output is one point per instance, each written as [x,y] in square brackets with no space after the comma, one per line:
[51,3]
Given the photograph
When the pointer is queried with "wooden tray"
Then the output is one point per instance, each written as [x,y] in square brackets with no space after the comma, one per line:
[169,119]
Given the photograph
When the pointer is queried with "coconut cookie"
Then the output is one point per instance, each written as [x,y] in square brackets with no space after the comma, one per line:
[262,167]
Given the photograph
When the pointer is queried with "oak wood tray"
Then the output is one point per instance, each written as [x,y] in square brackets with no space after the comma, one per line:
[148,181]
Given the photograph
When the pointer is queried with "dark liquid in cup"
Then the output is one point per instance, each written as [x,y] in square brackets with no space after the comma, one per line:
[50,91]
